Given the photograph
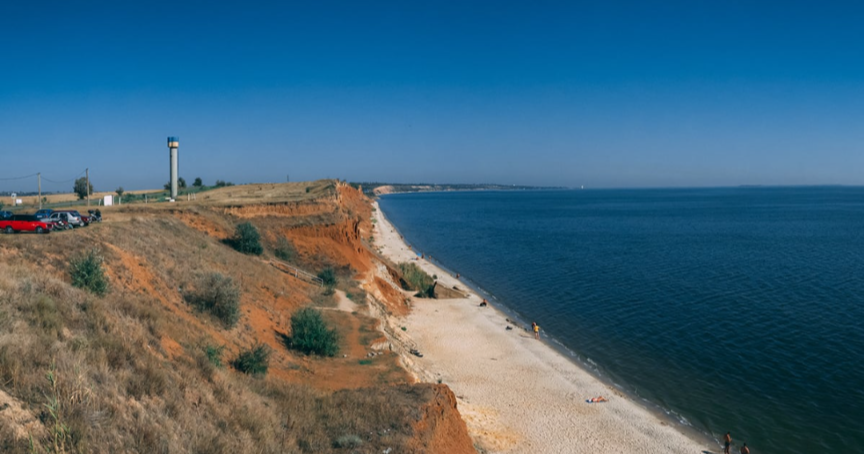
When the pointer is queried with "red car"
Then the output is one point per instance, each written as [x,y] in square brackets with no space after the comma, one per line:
[23,223]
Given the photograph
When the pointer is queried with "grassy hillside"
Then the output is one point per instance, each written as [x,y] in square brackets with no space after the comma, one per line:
[140,369]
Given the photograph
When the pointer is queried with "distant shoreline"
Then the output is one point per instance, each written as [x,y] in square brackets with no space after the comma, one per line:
[376,188]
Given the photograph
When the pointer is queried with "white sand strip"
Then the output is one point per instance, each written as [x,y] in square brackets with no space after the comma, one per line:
[517,394]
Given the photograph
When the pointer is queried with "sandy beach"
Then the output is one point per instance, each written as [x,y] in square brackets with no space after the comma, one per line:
[517,394]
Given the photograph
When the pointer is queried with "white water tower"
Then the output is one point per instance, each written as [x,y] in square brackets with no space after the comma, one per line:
[173,145]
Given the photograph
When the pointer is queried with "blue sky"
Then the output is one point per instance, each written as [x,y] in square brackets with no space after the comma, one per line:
[605,94]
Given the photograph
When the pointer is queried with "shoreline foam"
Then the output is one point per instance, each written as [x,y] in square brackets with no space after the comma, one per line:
[517,394]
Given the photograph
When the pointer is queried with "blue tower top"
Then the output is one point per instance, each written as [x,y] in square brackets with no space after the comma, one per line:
[173,142]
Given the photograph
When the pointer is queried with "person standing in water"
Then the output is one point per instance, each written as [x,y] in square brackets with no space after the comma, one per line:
[536,330]
[727,442]
[745,449]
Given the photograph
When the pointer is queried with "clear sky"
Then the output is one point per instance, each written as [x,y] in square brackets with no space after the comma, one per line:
[601,93]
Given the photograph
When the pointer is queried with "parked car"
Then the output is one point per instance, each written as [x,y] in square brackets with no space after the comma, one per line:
[41,214]
[5,214]
[95,215]
[66,219]
[23,223]
[59,222]
[72,217]
[52,224]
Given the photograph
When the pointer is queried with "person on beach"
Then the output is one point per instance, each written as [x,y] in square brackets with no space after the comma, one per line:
[536,330]
[597,399]
[745,449]
[727,440]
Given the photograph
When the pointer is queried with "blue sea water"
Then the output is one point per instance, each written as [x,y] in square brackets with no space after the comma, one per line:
[736,309]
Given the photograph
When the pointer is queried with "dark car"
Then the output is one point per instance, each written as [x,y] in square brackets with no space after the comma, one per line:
[5,214]
[23,223]
[42,214]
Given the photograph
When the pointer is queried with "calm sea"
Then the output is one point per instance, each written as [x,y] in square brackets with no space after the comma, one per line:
[736,309]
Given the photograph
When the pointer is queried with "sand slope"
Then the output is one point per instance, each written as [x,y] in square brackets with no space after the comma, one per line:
[518,394]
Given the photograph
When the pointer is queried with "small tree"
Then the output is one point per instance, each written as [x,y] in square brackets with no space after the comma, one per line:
[198,183]
[81,188]
[120,191]
[181,183]
[86,272]
[247,240]
[310,334]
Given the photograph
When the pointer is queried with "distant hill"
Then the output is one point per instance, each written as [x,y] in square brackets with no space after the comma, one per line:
[376,188]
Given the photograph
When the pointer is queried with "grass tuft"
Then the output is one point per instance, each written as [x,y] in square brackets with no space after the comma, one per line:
[254,361]
[347,441]
[414,278]
[214,354]
[285,250]
[87,273]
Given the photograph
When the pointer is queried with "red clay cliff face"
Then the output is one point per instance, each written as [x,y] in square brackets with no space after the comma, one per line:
[340,243]
[441,428]
[333,229]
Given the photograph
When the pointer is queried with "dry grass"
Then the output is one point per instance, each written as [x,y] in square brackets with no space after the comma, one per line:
[130,372]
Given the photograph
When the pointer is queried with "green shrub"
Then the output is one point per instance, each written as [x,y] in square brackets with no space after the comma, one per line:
[285,250]
[310,334]
[358,296]
[253,361]
[86,272]
[214,354]
[414,278]
[328,275]
[247,240]
[348,441]
[218,295]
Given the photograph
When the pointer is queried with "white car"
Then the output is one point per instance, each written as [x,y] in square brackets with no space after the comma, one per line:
[68,217]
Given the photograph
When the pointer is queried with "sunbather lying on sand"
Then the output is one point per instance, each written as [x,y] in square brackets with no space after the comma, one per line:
[596,400]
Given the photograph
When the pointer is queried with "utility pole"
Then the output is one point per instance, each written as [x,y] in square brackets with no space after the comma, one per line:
[39,176]
[87,172]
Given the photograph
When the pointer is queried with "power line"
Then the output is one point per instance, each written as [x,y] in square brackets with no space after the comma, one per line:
[64,181]
[19,178]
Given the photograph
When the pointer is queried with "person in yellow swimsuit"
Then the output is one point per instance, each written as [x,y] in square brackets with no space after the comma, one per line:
[536,330]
